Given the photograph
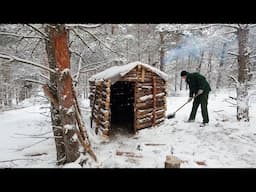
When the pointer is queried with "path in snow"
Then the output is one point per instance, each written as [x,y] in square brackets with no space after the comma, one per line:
[224,143]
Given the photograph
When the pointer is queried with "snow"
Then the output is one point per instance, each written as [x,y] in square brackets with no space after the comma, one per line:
[144,98]
[224,143]
[117,72]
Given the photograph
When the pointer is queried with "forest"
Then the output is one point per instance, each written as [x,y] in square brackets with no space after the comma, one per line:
[97,95]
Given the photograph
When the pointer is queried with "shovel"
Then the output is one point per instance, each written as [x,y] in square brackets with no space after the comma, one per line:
[172,115]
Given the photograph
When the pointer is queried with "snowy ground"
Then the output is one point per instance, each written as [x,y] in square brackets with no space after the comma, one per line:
[26,138]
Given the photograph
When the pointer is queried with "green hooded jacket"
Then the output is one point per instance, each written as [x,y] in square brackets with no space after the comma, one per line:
[197,81]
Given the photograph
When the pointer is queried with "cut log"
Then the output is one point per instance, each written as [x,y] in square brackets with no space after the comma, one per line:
[172,162]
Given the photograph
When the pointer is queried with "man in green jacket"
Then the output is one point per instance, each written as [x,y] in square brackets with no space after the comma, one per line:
[199,89]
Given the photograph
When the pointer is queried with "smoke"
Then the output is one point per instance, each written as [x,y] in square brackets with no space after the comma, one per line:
[190,46]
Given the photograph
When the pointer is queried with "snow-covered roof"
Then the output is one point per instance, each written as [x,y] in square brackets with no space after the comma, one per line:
[117,72]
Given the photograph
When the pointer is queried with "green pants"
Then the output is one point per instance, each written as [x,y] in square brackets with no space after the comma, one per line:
[203,100]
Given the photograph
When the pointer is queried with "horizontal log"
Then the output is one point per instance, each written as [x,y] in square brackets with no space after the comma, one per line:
[141,112]
[144,125]
[149,104]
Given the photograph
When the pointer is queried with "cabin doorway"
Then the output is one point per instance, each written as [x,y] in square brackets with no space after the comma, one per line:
[122,107]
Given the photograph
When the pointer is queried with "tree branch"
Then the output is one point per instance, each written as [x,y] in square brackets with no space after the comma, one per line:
[37,30]
[34,81]
[232,53]
[83,25]
[77,75]
[100,41]
[232,77]
[45,77]
[22,36]
[77,54]
[82,40]
[234,26]
[14,58]
[37,43]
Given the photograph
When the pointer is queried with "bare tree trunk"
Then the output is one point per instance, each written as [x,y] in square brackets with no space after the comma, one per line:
[189,66]
[138,42]
[176,76]
[55,113]
[59,39]
[243,62]
[162,52]
[113,29]
[221,65]
[210,66]
[200,61]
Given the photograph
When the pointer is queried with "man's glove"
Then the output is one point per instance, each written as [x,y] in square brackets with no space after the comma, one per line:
[190,99]
[200,91]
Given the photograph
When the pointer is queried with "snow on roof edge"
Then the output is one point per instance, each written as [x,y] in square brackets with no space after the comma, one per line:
[117,72]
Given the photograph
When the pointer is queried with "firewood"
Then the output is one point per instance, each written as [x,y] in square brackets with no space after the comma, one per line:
[128,154]
[201,163]
[172,162]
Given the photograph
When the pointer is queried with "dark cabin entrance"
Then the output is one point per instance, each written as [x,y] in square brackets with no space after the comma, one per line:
[122,107]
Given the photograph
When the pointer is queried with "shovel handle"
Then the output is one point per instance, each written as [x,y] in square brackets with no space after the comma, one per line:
[185,104]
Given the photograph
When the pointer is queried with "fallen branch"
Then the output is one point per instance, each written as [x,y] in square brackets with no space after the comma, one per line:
[201,163]
[85,146]
[153,144]
[35,154]
[128,154]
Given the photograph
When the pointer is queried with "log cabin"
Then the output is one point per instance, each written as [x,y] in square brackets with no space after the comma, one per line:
[131,96]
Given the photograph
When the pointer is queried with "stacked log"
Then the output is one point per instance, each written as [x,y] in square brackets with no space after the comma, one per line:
[149,96]
[100,105]
[149,99]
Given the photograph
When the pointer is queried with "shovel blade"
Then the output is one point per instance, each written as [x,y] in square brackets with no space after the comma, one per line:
[170,116]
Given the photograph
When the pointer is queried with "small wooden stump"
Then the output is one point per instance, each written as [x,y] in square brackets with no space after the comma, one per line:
[172,162]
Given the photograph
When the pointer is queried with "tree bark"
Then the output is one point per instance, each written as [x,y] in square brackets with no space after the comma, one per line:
[55,113]
[221,65]
[162,52]
[243,62]
[59,39]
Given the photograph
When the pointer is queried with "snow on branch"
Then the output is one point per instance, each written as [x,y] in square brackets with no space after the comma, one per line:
[75,32]
[77,75]
[34,81]
[45,77]
[100,41]
[232,77]
[37,30]
[232,53]
[83,25]
[234,26]
[21,36]
[77,54]
[12,58]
